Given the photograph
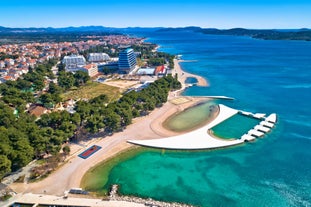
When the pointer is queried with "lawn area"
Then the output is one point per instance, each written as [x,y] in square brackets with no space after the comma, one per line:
[93,89]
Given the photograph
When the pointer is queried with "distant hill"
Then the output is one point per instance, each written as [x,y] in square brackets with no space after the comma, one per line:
[73,29]
[68,33]
[286,34]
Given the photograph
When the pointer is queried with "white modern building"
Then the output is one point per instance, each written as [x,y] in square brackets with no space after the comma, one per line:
[74,60]
[73,63]
[98,57]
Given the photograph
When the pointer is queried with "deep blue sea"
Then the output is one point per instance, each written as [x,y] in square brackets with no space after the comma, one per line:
[263,76]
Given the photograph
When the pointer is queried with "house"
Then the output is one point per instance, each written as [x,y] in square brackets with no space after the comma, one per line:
[160,70]
[2,64]
[9,61]
[91,69]
[37,110]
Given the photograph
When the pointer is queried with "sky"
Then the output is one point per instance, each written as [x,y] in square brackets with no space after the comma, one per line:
[223,14]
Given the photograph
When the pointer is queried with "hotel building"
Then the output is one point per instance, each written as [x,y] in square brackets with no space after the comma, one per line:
[127,60]
[98,57]
[74,60]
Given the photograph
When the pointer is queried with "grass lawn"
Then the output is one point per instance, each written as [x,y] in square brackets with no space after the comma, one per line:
[91,90]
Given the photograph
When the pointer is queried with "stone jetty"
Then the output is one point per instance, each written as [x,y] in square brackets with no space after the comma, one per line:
[114,196]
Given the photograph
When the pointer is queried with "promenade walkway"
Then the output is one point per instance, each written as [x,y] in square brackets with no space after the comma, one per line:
[201,138]
[197,139]
[50,200]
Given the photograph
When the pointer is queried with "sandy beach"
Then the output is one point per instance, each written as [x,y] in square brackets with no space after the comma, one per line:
[70,174]
[182,75]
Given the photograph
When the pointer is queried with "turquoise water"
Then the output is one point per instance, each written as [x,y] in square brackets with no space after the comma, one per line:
[191,80]
[190,118]
[235,127]
[263,76]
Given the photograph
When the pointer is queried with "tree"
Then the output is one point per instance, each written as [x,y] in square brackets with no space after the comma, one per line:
[22,154]
[81,78]
[23,84]
[54,89]
[99,100]
[28,97]
[65,80]
[38,84]
[5,166]
[7,117]
[39,143]
[112,121]
[83,108]
[156,61]
[66,150]
[46,99]
[76,119]
[61,67]
[94,123]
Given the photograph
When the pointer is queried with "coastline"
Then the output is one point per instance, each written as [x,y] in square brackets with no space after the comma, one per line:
[71,173]
[183,75]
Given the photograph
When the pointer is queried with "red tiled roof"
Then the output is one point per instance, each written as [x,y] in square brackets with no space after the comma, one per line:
[7,78]
[160,69]
[89,66]
[37,111]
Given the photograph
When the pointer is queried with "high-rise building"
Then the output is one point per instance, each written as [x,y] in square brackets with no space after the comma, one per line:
[127,60]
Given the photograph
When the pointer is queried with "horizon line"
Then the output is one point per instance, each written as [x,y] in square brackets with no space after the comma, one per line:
[150,27]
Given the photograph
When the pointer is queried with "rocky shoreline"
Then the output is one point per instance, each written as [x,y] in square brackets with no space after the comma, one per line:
[114,196]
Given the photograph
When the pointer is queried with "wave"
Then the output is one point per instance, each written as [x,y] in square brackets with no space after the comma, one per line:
[305,85]
[289,193]
[300,136]
[300,123]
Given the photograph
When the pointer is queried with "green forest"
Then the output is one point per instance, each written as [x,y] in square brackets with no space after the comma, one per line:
[24,137]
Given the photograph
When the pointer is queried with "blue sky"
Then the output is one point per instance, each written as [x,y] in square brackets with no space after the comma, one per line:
[168,13]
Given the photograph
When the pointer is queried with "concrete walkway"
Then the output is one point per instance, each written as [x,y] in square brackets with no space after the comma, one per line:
[50,200]
[197,139]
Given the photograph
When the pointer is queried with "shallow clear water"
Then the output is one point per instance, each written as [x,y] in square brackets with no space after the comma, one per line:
[191,80]
[263,76]
[235,127]
[190,118]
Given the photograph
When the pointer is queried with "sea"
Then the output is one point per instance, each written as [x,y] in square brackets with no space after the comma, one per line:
[264,76]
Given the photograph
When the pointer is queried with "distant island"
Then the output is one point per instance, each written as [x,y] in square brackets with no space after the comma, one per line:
[266,34]
[9,35]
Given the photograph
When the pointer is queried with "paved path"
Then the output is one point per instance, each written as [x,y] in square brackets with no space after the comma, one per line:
[70,174]
[197,139]
[30,198]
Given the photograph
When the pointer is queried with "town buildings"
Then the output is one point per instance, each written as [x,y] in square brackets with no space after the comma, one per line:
[16,59]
